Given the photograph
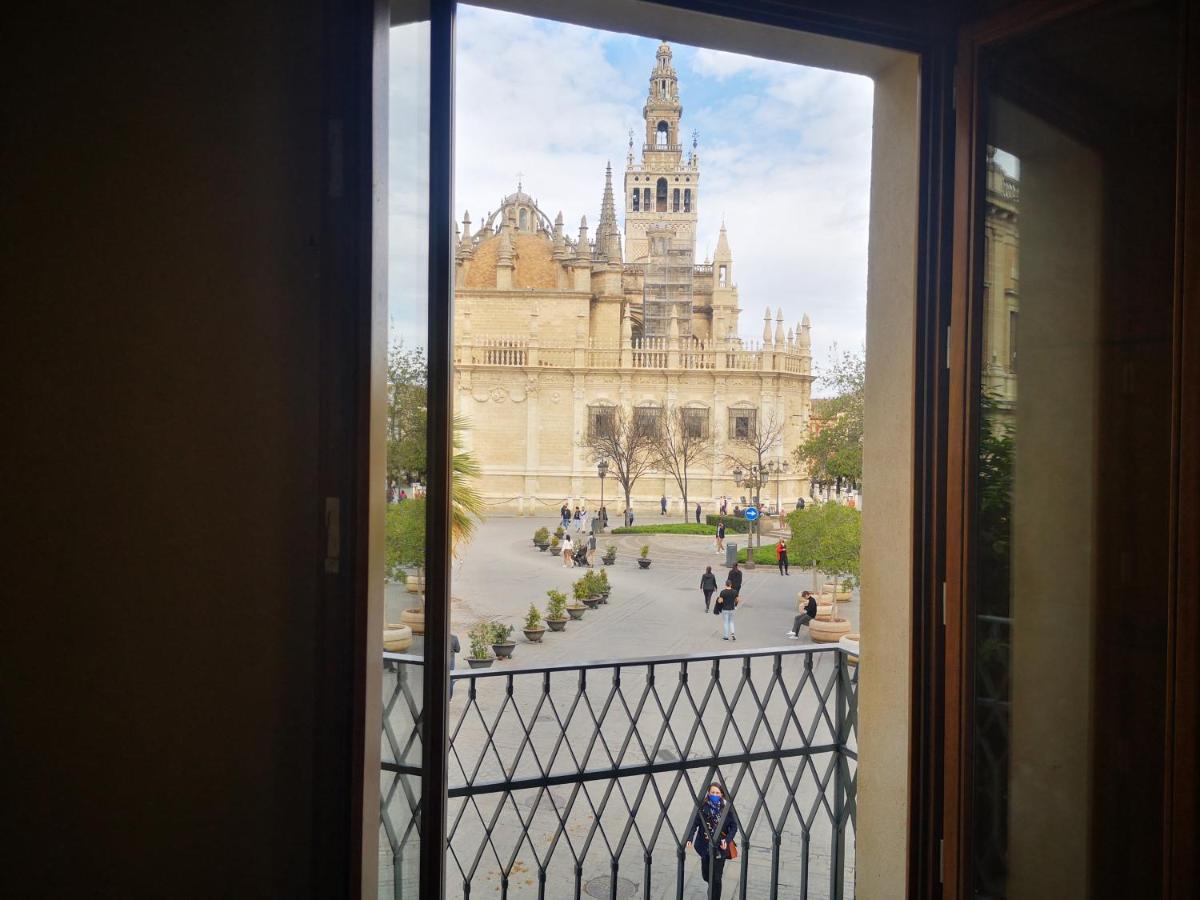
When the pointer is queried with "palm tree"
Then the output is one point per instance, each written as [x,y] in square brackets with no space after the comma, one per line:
[466,505]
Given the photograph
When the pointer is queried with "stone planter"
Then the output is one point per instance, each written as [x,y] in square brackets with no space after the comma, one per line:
[397,638]
[505,650]
[849,643]
[480,663]
[534,635]
[608,560]
[543,547]
[828,631]
[414,618]
[576,612]
[590,602]
[414,584]
[604,597]
[557,624]
[644,563]
[842,596]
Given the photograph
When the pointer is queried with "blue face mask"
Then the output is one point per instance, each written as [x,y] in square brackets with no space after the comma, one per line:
[714,801]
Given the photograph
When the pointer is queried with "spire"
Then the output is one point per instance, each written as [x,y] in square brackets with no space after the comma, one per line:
[581,250]
[767,326]
[803,338]
[608,238]
[779,328]
[723,253]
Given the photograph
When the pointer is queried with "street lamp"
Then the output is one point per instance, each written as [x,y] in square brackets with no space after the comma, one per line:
[602,470]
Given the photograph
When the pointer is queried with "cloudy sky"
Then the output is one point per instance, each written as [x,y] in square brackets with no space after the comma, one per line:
[784,156]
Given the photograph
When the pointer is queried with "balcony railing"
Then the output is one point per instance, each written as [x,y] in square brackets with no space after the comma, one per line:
[582,780]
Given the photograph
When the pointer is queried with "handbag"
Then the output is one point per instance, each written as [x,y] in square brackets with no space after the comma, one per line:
[733,853]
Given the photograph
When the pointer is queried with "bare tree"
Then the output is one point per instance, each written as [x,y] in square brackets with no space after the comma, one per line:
[752,450]
[626,442]
[682,440]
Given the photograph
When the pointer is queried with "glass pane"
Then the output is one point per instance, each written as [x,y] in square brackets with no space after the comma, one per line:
[1072,514]
[407,373]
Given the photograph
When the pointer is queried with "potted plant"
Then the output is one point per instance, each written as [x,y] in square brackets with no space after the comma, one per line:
[541,538]
[610,555]
[602,586]
[480,637]
[554,548]
[559,532]
[397,637]
[644,557]
[534,629]
[576,609]
[502,643]
[585,590]
[840,538]
[556,610]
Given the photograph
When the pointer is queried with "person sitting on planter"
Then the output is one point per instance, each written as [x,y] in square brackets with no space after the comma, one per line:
[810,613]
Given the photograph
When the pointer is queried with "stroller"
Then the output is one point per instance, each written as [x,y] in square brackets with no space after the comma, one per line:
[580,554]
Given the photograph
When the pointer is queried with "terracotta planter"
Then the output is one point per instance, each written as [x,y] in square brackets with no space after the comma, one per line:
[557,624]
[534,635]
[828,631]
[480,663]
[414,618]
[505,650]
[576,612]
[397,638]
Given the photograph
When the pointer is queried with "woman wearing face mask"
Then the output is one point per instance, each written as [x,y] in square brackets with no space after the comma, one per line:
[711,835]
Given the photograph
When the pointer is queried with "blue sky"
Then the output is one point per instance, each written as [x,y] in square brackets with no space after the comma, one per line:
[784,156]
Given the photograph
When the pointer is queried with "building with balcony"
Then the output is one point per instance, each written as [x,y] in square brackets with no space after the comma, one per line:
[551,330]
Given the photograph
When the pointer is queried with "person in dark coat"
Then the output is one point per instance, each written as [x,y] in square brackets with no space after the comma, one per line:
[735,579]
[711,835]
[810,613]
[708,584]
[697,513]
[663,504]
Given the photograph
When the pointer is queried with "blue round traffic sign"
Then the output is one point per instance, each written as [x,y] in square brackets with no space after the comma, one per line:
[751,513]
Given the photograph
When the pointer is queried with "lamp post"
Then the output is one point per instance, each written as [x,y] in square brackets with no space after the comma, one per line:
[779,469]
[602,470]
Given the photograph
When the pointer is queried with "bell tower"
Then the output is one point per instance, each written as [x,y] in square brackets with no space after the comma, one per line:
[664,189]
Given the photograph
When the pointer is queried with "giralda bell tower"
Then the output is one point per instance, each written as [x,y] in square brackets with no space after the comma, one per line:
[663,190]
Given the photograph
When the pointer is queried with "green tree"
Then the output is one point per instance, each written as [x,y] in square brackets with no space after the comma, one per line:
[407,404]
[828,538]
[834,456]
[466,503]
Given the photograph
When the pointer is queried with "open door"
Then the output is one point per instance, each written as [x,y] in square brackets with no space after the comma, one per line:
[1071,495]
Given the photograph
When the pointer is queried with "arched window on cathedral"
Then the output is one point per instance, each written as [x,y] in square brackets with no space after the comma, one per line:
[523,220]
[675,200]
[660,135]
[722,276]
[660,200]
[646,200]
[687,199]
[637,196]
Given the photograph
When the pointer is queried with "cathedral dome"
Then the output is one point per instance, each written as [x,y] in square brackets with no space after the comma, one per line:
[533,259]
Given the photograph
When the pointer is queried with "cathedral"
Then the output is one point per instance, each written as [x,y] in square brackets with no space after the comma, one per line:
[553,331]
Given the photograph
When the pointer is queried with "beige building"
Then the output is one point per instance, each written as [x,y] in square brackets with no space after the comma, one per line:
[1001,280]
[551,330]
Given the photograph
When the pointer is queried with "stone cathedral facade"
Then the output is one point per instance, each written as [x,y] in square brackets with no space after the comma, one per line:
[553,329]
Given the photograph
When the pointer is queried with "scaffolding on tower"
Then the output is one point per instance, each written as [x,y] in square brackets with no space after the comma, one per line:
[667,286]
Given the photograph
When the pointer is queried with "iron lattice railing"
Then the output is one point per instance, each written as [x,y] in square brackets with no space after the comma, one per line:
[581,780]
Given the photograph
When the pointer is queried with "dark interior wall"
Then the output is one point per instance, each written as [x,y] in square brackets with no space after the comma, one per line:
[162,187]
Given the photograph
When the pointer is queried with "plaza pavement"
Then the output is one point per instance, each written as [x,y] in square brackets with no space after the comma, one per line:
[654,612]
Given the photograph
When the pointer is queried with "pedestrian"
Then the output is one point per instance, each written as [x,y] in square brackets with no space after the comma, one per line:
[565,514]
[585,520]
[781,557]
[708,584]
[807,614]
[603,516]
[721,536]
[799,503]
[568,558]
[724,506]
[628,517]
[576,518]
[735,578]
[403,496]
[697,513]
[727,602]
[711,835]
[591,547]
[662,503]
